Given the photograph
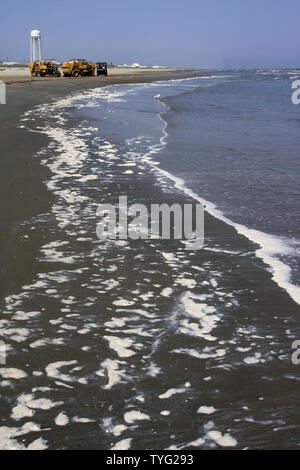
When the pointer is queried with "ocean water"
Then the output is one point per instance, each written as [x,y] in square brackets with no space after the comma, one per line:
[125,344]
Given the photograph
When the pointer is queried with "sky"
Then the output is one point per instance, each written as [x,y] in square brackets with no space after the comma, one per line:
[186,33]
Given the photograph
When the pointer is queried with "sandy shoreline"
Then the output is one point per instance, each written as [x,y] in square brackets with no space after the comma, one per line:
[12,75]
[23,193]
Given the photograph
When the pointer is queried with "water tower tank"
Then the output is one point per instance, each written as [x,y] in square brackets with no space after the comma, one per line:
[35,33]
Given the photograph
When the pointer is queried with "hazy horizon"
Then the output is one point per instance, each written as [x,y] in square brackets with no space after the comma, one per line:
[198,34]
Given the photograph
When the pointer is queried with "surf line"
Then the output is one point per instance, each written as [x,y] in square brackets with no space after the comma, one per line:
[270,247]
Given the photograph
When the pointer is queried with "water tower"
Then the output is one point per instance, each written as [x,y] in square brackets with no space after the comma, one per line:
[35,46]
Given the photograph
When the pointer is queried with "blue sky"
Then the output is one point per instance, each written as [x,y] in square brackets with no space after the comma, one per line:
[196,33]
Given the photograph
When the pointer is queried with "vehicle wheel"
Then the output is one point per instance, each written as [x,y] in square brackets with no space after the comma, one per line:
[58,74]
[75,73]
[33,73]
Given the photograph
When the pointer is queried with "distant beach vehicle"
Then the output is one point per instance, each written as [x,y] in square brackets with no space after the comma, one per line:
[135,65]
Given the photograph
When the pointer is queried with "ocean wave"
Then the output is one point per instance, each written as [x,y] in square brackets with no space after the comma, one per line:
[271,248]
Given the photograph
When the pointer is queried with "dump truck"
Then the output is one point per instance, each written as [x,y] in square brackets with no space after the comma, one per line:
[101,68]
[43,68]
[76,67]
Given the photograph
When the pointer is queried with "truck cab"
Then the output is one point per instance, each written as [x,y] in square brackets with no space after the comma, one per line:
[101,68]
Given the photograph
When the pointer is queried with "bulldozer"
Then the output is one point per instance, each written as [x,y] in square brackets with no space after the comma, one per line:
[76,67]
[43,68]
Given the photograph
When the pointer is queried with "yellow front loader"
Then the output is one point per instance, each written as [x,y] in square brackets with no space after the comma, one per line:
[43,68]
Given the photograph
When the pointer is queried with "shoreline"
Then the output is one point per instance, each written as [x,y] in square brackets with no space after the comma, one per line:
[23,192]
[81,305]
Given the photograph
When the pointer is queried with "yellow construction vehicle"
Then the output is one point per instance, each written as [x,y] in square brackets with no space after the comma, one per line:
[43,68]
[76,67]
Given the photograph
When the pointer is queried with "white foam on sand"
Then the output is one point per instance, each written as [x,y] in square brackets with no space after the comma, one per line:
[190,283]
[115,323]
[61,419]
[207,410]
[83,179]
[115,375]
[166,292]
[131,417]
[123,302]
[124,444]
[207,353]
[174,391]
[206,316]
[53,370]
[77,419]
[223,440]
[256,359]
[29,401]
[120,345]
[22,316]
[118,429]
[8,435]
[21,411]
[189,352]
[16,334]
[12,373]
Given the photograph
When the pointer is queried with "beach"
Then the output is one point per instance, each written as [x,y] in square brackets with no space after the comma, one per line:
[128,344]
